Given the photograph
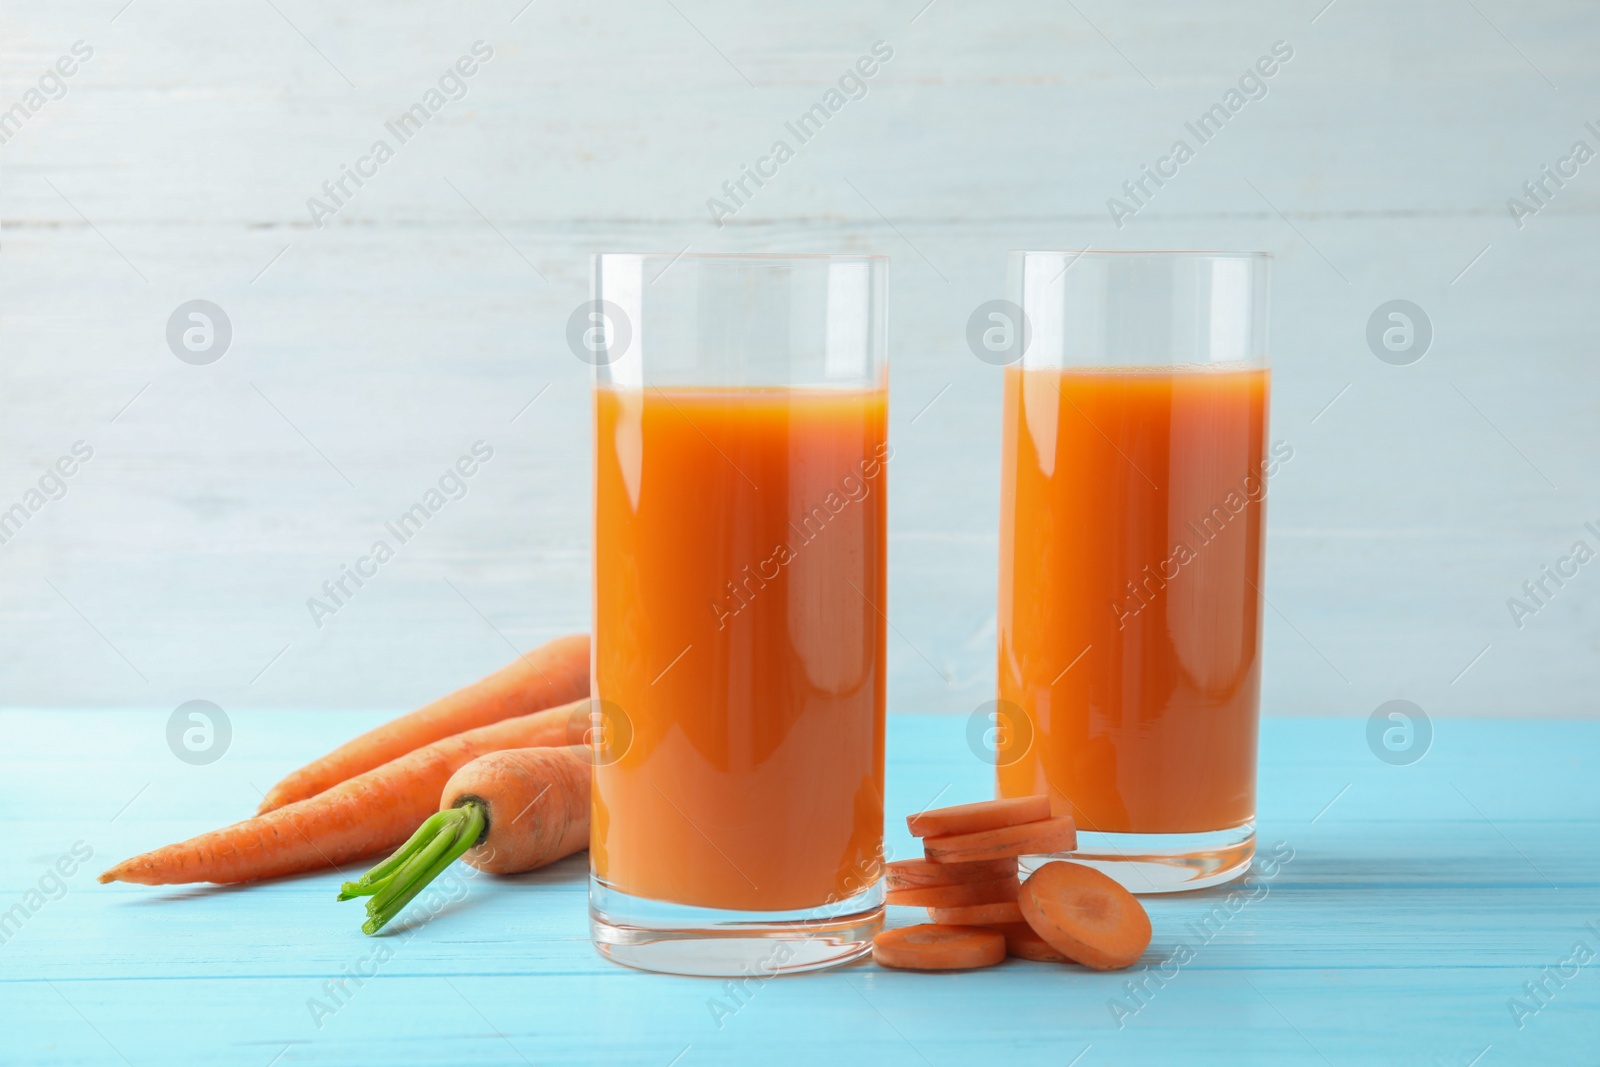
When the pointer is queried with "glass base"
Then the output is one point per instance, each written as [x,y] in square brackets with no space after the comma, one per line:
[1162,863]
[710,942]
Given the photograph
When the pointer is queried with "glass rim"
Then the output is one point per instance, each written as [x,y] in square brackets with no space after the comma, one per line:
[1210,253]
[875,256]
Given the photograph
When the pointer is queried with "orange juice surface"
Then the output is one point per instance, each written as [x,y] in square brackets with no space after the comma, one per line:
[739,540]
[1130,610]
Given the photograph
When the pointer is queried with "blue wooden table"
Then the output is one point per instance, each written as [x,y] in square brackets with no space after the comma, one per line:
[1445,911]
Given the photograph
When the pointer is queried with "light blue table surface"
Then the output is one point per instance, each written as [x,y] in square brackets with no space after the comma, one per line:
[1419,901]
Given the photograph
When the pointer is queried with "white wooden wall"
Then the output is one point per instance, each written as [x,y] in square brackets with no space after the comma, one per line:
[369,353]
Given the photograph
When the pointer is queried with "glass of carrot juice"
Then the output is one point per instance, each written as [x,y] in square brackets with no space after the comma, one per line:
[1133,482]
[740,445]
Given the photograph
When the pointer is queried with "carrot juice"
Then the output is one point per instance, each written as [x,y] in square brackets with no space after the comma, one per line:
[1130,604]
[739,639]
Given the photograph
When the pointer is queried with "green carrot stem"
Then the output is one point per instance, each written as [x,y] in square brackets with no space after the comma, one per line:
[454,834]
[374,879]
[438,845]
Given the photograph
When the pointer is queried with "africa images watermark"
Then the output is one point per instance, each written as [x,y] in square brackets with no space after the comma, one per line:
[1140,989]
[1538,592]
[1399,732]
[1252,85]
[852,85]
[50,886]
[336,992]
[452,485]
[51,486]
[1537,192]
[853,488]
[452,86]
[1538,992]
[50,86]
[199,732]
[865,874]
[1154,578]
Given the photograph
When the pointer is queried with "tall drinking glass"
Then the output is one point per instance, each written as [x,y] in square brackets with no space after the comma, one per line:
[1134,475]
[740,414]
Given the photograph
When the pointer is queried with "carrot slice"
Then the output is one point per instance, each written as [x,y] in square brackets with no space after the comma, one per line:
[918,874]
[978,914]
[1085,915]
[955,896]
[1024,839]
[1023,943]
[938,948]
[984,815]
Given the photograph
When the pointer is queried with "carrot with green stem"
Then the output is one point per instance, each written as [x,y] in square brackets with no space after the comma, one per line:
[505,813]
[366,815]
[554,673]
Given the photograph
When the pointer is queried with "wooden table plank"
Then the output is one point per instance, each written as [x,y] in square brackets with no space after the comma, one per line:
[1414,907]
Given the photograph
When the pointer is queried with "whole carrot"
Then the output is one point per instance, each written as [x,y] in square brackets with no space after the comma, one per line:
[507,812]
[365,815]
[553,673]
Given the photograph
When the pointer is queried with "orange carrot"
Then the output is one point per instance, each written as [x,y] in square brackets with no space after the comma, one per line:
[984,815]
[554,673]
[938,948]
[506,812]
[1085,915]
[535,806]
[916,874]
[367,814]
[1024,944]
[978,914]
[955,896]
[1024,839]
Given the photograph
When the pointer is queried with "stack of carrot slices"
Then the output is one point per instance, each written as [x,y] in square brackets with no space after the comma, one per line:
[982,912]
